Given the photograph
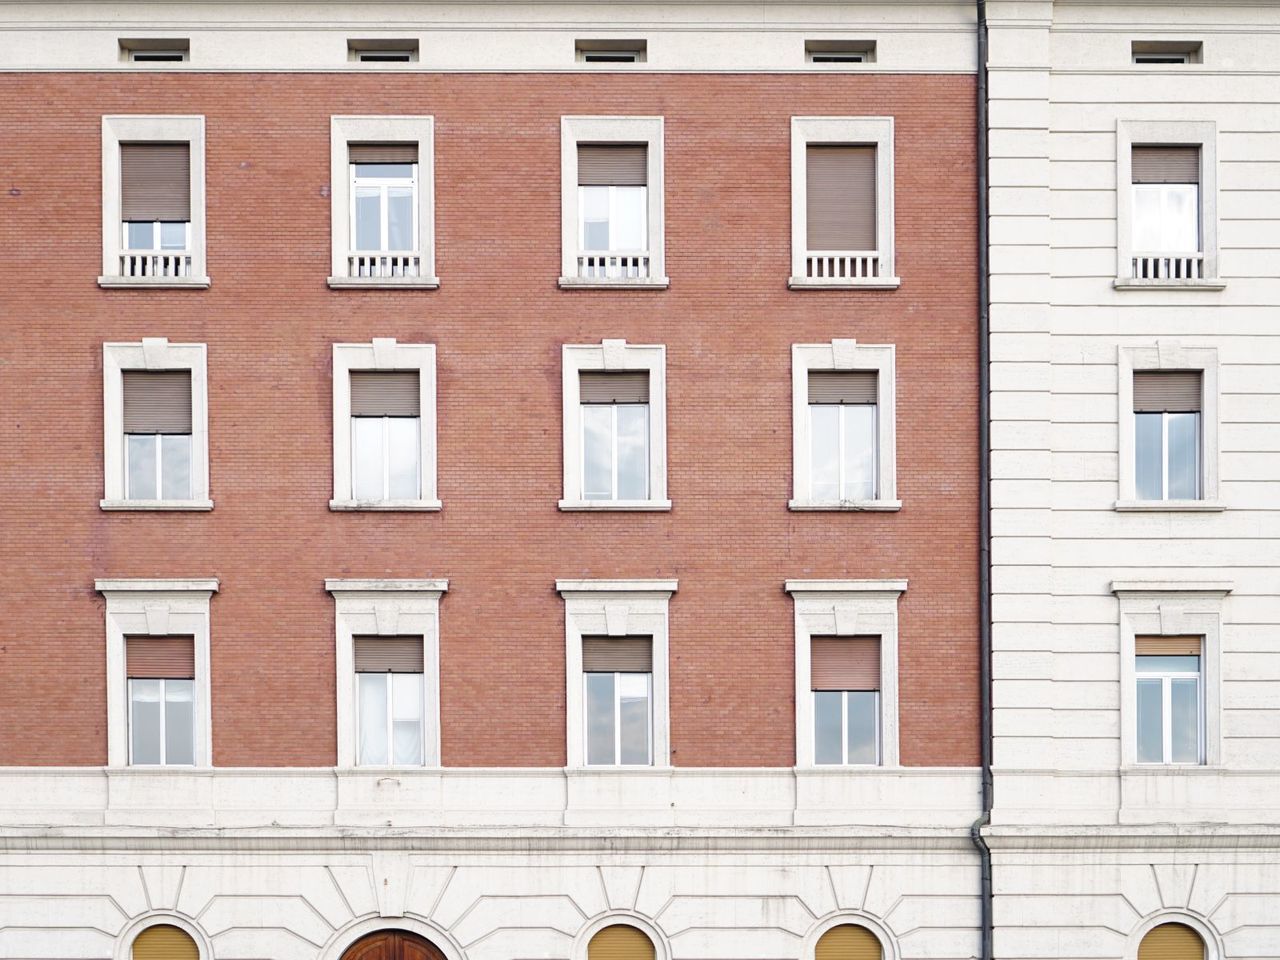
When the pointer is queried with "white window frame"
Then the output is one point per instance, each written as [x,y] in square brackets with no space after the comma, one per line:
[156,608]
[844,731]
[394,129]
[388,719]
[163,681]
[384,354]
[1166,678]
[1203,134]
[151,129]
[873,131]
[846,608]
[646,130]
[614,355]
[1171,608]
[1168,355]
[845,355]
[153,353]
[386,608]
[617,718]
[616,608]
[383,184]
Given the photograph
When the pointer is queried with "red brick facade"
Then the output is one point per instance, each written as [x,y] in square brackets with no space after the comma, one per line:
[498,320]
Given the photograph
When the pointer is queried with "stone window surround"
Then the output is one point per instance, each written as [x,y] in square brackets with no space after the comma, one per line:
[157,608]
[151,129]
[851,130]
[383,353]
[846,608]
[845,355]
[616,608]
[1213,947]
[1171,608]
[1168,355]
[395,129]
[1205,135]
[157,918]
[386,608]
[153,353]
[614,355]
[599,129]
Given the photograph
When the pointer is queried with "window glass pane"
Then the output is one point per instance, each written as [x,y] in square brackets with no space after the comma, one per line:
[366,458]
[1148,447]
[140,456]
[144,721]
[384,171]
[1148,218]
[139,236]
[403,438]
[600,727]
[400,218]
[406,717]
[628,228]
[175,466]
[1168,664]
[597,451]
[824,451]
[633,451]
[179,721]
[173,236]
[1184,709]
[593,202]
[1181,218]
[633,710]
[826,727]
[863,743]
[859,451]
[368,230]
[373,717]
[1184,456]
[1150,724]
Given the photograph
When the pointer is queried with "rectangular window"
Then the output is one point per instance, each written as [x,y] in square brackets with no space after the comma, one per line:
[157,433]
[382,50]
[155,207]
[1168,51]
[389,701]
[842,435]
[617,677]
[1170,700]
[841,199]
[845,680]
[155,50]
[615,435]
[613,201]
[1167,434]
[839,51]
[385,435]
[161,692]
[611,51]
[384,209]
[1166,211]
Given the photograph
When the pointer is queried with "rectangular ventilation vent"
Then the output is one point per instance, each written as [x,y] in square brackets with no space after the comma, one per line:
[611,51]
[155,49]
[383,50]
[840,51]
[1168,51]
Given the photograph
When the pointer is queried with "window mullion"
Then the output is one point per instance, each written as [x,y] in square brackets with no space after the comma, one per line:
[386,458]
[159,461]
[840,475]
[384,216]
[1164,456]
[391,711]
[1166,706]
[613,449]
[164,697]
[617,719]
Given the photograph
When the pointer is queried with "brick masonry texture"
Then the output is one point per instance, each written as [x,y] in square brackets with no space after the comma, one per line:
[498,320]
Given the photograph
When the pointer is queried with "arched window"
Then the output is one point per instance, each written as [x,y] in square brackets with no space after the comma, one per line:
[392,945]
[164,942]
[1171,941]
[848,942]
[620,942]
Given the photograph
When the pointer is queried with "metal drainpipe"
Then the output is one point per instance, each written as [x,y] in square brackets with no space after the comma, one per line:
[984,491]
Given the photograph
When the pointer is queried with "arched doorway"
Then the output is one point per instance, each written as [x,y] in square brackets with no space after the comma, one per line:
[392,945]
[1171,941]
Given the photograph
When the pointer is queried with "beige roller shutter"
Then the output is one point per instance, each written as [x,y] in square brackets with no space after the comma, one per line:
[378,394]
[157,401]
[841,202]
[853,386]
[160,658]
[388,654]
[624,387]
[620,942]
[844,663]
[382,152]
[1167,646]
[848,942]
[1160,164]
[164,942]
[617,654]
[613,165]
[1171,941]
[155,181]
[1159,391]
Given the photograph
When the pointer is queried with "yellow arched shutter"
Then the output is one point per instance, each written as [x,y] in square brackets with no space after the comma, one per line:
[164,942]
[1171,941]
[620,942]
[848,942]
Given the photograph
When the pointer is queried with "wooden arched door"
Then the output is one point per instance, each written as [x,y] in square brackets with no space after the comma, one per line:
[392,945]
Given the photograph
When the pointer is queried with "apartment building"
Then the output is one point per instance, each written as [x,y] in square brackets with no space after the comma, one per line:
[1134,200]
[489,481]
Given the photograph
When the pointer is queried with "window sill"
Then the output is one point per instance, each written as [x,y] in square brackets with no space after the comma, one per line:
[157,506]
[623,506]
[579,283]
[1130,283]
[384,283]
[850,506]
[154,283]
[1170,506]
[385,506]
[875,283]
